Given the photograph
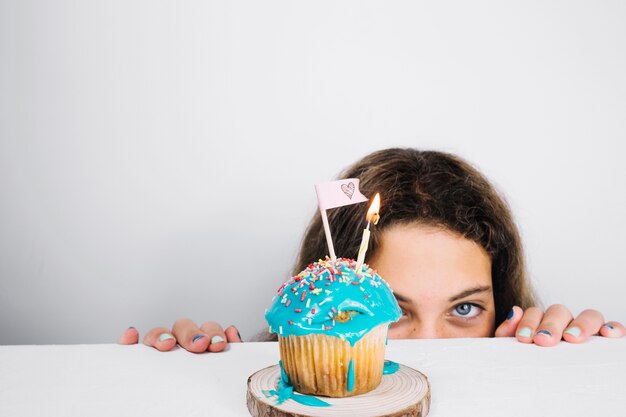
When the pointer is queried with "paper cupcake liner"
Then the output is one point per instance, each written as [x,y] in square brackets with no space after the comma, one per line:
[318,364]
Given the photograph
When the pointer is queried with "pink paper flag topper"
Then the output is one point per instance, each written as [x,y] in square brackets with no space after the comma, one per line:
[338,193]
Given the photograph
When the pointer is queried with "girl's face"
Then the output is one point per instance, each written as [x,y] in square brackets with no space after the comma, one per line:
[441,280]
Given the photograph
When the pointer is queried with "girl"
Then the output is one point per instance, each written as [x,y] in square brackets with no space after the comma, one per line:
[447,245]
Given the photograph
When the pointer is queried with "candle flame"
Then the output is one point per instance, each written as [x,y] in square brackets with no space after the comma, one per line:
[372,213]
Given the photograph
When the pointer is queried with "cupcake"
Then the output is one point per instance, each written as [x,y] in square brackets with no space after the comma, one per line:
[332,323]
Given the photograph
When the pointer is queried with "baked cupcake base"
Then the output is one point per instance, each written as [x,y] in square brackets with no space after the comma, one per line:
[318,364]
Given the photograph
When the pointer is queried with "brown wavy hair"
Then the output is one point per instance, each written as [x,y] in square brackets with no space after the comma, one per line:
[431,188]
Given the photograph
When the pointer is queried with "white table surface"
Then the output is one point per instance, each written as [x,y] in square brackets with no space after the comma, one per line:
[469,377]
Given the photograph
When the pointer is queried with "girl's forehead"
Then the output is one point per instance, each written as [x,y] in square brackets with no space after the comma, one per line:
[430,260]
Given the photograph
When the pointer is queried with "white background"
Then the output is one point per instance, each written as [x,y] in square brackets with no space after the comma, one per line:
[157,159]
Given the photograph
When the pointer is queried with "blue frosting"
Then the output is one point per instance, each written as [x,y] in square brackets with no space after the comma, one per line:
[284,392]
[332,298]
[390,367]
[350,377]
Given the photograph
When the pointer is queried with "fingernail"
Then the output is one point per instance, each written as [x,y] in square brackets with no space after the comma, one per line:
[197,337]
[165,336]
[216,339]
[574,331]
[609,326]
[131,328]
[525,332]
[239,335]
[545,333]
[510,315]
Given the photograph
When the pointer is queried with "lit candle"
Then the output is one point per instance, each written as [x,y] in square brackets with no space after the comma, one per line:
[372,216]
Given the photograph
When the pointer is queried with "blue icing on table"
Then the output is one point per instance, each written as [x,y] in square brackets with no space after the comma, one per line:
[309,400]
[330,297]
[284,392]
[390,368]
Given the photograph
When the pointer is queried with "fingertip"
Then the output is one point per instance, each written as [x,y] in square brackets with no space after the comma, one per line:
[232,335]
[545,338]
[129,337]
[508,326]
[612,330]
[217,336]
[574,334]
[165,342]
[517,310]
[524,335]
[218,344]
[198,343]
[160,338]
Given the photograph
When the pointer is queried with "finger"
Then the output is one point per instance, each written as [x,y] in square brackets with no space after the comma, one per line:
[613,329]
[190,336]
[130,337]
[528,324]
[586,324]
[216,336]
[160,338]
[232,335]
[554,321]
[508,326]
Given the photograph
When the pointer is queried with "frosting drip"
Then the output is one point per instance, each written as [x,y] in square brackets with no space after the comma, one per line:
[350,377]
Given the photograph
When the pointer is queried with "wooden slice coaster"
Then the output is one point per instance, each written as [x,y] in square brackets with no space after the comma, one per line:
[402,394]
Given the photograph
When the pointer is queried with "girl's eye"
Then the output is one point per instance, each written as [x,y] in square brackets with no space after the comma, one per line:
[405,314]
[467,310]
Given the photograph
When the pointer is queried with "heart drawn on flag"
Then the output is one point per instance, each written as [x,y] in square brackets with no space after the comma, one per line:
[348,189]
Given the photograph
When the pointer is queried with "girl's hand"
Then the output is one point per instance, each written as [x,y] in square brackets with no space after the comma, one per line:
[556,324]
[208,337]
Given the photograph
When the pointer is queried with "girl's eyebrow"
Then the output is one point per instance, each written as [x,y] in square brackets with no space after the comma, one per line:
[469,292]
[404,299]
